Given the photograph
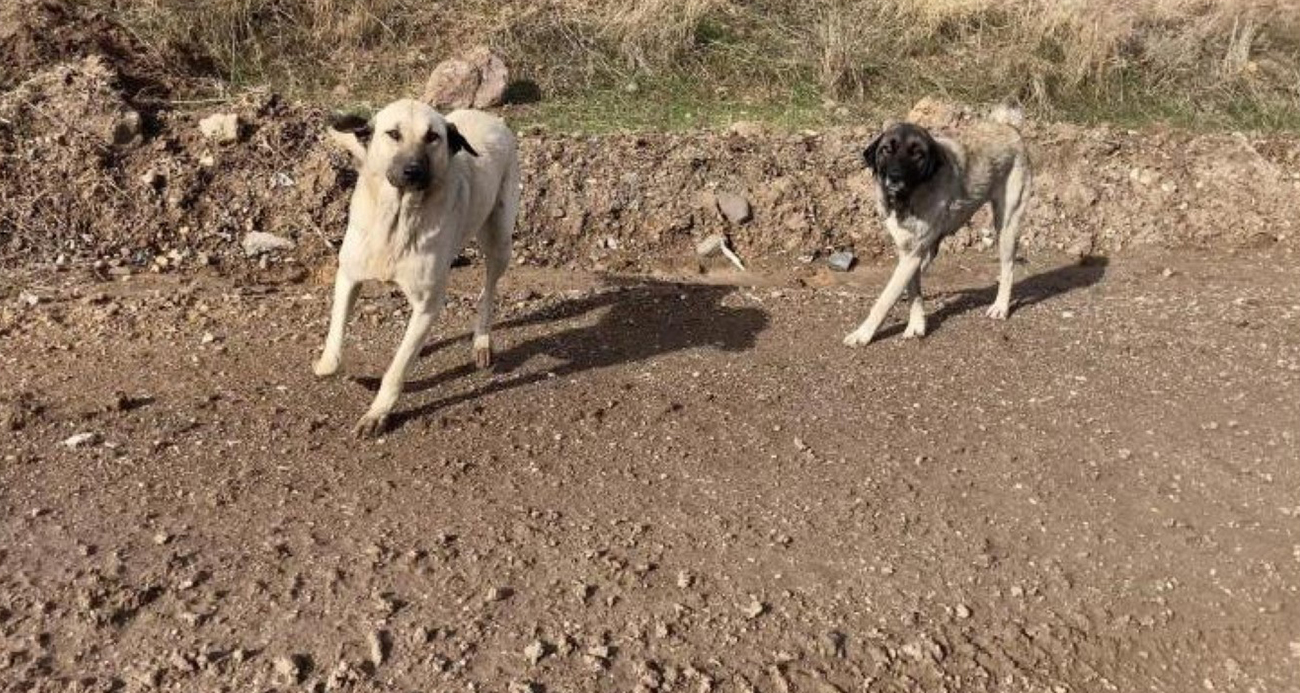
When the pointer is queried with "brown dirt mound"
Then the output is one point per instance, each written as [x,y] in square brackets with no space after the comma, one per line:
[37,34]
[93,180]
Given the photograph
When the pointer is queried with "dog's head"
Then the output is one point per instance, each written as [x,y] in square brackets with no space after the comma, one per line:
[409,142]
[903,157]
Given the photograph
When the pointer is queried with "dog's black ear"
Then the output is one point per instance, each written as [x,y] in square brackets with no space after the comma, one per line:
[353,124]
[456,142]
[933,157]
[869,155]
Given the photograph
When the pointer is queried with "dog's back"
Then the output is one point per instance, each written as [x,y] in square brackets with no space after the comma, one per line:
[988,149]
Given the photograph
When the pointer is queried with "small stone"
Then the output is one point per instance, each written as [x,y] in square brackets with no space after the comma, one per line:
[535,651]
[289,669]
[685,579]
[260,242]
[82,440]
[161,538]
[208,338]
[153,178]
[222,128]
[963,611]
[126,130]
[734,208]
[754,609]
[525,687]
[497,594]
[1167,272]
[842,261]
[599,652]
[377,642]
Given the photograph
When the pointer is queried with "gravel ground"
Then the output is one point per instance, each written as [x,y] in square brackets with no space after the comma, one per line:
[663,486]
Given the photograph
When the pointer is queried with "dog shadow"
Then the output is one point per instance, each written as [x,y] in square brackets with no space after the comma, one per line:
[641,320]
[1027,292]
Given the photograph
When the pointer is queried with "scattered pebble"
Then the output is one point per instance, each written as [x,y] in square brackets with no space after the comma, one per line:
[377,642]
[842,261]
[289,669]
[82,440]
[754,609]
[536,651]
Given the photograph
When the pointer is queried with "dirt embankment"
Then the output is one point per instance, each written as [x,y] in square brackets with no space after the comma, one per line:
[97,168]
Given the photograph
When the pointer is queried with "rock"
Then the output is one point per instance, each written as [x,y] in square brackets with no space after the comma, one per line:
[222,128]
[924,648]
[754,609]
[536,651]
[931,112]
[82,440]
[525,687]
[478,80]
[842,261]
[161,538]
[734,208]
[126,129]
[685,579]
[963,611]
[377,641]
[259,243]
[289,669]
[497,594]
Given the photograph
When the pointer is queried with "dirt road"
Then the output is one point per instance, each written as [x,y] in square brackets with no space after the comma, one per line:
[662,487]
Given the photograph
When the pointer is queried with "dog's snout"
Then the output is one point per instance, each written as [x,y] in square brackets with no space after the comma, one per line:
[412,173]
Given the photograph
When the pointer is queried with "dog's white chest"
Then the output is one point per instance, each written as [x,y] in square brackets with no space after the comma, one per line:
[907,232]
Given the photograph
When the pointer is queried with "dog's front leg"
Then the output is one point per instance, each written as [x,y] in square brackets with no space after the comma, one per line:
[424,311]
[908,266]
[345,296]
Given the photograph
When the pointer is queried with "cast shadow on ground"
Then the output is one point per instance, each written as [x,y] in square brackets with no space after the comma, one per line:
[1026,292]
[641,320]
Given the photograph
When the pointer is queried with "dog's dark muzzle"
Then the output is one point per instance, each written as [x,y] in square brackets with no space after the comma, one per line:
[412,175]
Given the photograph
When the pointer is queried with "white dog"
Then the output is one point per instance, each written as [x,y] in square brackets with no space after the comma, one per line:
[425,184]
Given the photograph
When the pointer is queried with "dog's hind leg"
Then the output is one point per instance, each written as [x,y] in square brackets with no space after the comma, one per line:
[345,296]
[425,307]
[908,266]
[494,241]
[1007,210]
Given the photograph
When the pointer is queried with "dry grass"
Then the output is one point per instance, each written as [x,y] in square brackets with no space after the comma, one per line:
[1222,59]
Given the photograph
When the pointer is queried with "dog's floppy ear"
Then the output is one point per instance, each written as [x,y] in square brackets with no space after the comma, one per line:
[456,142]
[933,156]
[352,132]
[869,155]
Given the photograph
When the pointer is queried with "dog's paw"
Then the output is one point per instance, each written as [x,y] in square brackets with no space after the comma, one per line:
[370,426]
[997,312]
[326,366]
[483,352]
[858,338]
[915,330]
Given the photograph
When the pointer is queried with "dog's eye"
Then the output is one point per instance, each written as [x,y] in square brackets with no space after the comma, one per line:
[395,135]
[430,137]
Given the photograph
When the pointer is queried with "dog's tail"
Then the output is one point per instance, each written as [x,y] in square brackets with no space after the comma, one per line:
[1008,114]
